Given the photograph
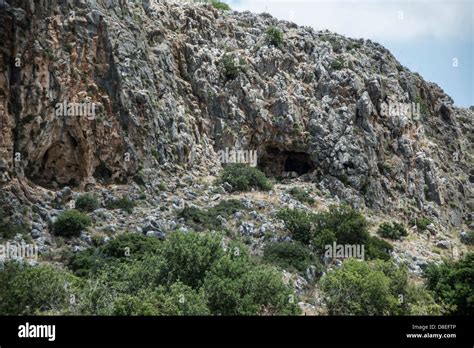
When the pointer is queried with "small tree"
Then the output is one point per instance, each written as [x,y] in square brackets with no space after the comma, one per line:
[392,231]
[87,203]
[70,223]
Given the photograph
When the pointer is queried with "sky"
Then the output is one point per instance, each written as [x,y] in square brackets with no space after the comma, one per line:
[432,37]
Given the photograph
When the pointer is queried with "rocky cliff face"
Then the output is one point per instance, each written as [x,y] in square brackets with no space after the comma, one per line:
[321,107]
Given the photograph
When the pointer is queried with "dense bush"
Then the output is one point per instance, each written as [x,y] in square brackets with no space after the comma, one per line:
[87,203]
[244,178]
[123,247]
[301,195]
[27,290]
[290,256]
[274,36]
[299,224]
[9,229]
[340,224]
[235,286]
[188,274]
[220,5]
[348,225]
[376,248]
[392,231]
[124,203]
[453,284]
[201,219]
[364,288]
[70,223]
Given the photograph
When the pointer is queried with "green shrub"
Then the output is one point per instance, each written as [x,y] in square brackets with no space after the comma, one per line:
[323,238]
[70,223]
[201,219]
[348,225]
[299,223]
[28,290]
[289,256]
[234,286]
[392,231]
[87,203]
[274,36]
[420,301]
[376,248]
[469,238]
[231,66]
[421,223]
[220,5]
[244,178]
[124,203]
[337,64]
[123,247]
[9,229]
[453,284]
[363,288]
[189,256]
[301,195]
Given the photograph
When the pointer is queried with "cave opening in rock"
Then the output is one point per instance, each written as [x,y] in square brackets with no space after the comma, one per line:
[283,163]
[298,162]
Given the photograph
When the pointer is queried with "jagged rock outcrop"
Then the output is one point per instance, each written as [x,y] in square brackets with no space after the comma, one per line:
[315,106]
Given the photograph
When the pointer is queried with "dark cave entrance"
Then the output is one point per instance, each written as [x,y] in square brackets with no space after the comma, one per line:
[283,163]
[298,162]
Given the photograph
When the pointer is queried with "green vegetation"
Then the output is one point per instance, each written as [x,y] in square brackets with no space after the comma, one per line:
[298,222]
[289,256]
[274,36]
[341,224]
[9,229]
[26,290]
[392,231]
[337,64]
[301,195]
[70,223]
[453,284]
[244,178]
[220,5]
[124,203]
[374,288]
[231,66]
[87,203]
[187,274]
[202,220]
[469,238]
[421,223]
[423,105]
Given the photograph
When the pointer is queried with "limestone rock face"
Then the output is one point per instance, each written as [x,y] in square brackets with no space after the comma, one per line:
[342,112]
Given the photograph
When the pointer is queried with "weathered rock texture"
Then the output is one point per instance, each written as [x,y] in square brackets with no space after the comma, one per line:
[313,106]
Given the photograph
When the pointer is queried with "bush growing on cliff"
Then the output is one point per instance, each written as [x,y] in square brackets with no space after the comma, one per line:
[244,178]
[392,231]
[70,223]
[290,256]
[124,203]
[87,203]
[274,36]
[201,219]
[231,66]
[299,224]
